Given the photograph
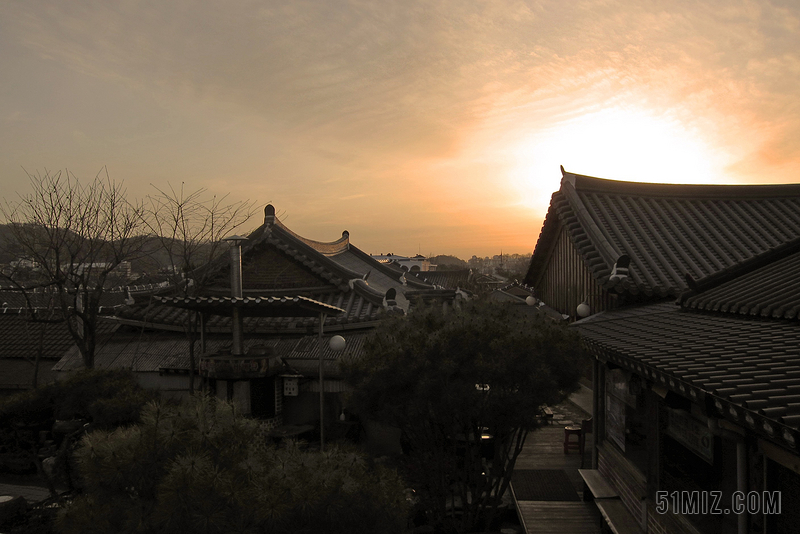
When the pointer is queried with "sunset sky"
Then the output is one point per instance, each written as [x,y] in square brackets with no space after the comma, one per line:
[435,127]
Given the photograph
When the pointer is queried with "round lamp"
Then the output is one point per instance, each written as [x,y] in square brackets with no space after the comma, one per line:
[336,343]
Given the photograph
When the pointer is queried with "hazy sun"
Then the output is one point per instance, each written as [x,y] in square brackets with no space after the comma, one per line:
[614,143]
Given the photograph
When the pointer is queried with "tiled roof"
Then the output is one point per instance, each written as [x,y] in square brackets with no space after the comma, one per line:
[667,230]
[20,341]
[461,278]
[139,351]
[360,312]
[297,306]
[19,337]
[277,262]
[158,351]
[513,292]
[746,370]
[12,300]
[308,266]
[767,285]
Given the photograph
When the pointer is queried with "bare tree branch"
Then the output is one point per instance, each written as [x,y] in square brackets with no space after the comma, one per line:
[190,226]
[76,234]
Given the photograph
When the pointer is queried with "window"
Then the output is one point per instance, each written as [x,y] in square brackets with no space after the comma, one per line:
[694,460]
[626,416]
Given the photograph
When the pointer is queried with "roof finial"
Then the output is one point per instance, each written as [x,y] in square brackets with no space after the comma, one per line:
[269,215]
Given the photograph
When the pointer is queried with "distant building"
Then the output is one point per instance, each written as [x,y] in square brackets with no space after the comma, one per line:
[414,264]
[123,269]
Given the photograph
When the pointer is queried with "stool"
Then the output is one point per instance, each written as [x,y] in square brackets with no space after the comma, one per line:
[568,443]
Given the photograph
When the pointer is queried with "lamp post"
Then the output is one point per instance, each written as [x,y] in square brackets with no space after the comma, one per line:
[337,344]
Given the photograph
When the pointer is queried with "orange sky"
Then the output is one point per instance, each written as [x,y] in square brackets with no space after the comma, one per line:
[433,127]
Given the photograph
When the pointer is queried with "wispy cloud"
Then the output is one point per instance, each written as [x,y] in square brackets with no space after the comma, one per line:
[293,100]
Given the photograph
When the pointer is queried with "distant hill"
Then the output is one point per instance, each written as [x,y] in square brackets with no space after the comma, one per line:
[152,259]
[448,263]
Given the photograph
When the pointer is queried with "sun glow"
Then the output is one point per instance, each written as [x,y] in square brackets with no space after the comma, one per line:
[615,143]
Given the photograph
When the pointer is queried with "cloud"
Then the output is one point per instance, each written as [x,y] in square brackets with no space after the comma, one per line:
[299,99]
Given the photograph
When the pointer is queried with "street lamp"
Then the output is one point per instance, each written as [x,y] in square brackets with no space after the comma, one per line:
[336,343]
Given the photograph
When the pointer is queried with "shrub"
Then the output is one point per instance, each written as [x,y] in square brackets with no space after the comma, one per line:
[202,467]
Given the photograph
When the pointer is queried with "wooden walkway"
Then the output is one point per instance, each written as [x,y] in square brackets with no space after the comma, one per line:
[544,450]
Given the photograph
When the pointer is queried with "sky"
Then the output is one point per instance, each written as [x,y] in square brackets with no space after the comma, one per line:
[432,127]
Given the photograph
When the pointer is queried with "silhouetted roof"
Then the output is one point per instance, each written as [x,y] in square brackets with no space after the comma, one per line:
[667,230]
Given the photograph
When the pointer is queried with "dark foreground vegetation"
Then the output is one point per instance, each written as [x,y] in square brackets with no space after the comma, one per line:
[464,386]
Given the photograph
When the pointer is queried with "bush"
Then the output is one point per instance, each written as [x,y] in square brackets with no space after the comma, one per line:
[104,399]
[202,467]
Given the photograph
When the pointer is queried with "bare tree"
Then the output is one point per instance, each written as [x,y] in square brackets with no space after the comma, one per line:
[75,235]
[190,226]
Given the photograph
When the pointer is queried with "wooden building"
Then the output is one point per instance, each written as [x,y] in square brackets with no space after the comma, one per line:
[609,243]
[694,337]
[295,294]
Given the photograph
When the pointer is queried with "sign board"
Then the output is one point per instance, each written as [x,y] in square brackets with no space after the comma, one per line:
[290,387]
[691,433]
[239,367]
[615,421]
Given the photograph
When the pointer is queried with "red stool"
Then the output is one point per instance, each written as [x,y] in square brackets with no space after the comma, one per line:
[570,444]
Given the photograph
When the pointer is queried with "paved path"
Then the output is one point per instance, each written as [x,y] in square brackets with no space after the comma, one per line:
[32,493]
[544,449]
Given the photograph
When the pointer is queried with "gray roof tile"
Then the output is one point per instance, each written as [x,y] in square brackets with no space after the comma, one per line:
[667,230]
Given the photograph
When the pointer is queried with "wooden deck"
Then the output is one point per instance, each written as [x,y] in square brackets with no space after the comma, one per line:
[552,517]
[544,450]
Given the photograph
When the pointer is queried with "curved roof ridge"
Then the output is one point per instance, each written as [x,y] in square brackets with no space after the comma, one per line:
[340,270]
[327,248]
[585,183]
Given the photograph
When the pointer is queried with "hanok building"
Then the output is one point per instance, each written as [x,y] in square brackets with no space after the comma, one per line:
[265,321]
[700,396]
